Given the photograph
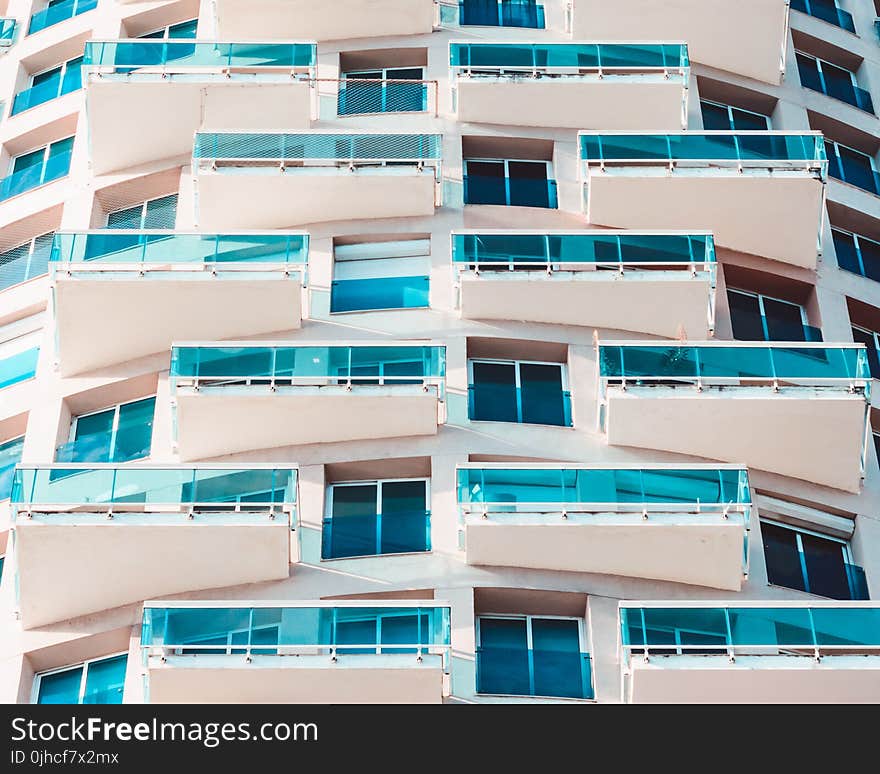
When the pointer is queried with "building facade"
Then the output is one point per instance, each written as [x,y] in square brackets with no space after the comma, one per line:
[412,351]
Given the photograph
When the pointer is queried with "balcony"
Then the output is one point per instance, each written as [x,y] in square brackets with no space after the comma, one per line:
[296,652]
[48,90]
[19,367]
[161,91]
[759,192]
[649,283]
[159,286]
[714,30]
[577,85]
[280,180]
[52,168]
[8,28]
[685,525]
[827,11]
[272,395]
[797,409]
[319,20]
[751,653]
[89,538]
[58,13]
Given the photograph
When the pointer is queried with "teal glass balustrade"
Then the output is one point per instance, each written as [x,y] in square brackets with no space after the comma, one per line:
[515,251]
[180,55]
[160,247]
[232,146]
[309,365]
[120,488]
[58,11]
[61,81]
[586,57]
[747,149]
[511,490]
[316,629]
[19,367]
[731,364]
[8,28]
[10,456]
[807,630]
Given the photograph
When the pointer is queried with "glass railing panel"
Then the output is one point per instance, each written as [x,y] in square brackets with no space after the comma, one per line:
[139,247]
[98,447]
[603,487]
[512,250]
[514,192]
[359,96]
[356,295]
[703,146]
[538,673]
[376,534]
[55,167]
[7,31]
[580,56]
[733,362]
[790,630]
[337,147]
[218,487]
[507,403]
[391,364]
[19,367]
[129,55]
[59,13]
[10,456]
[348,630]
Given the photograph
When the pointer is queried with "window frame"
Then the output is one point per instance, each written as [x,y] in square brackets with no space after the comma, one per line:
[506,162]
[846,550]
[151,34]
[821,72]
[529,618]
[46,150]
[85,665]
[74,421]
[836,146]
[143,208]
[730,110]
[378,482]
[805,323]
[857,243]
[517,382]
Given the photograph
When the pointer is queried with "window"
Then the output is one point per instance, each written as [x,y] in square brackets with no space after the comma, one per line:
[807,561]
[724,117]
[20,349]
[56,11]
[100,681]
[508,182]
[381,275]
[10,456]
[518,391]
[532,656]
[855,253]
[368,518]
[502,13]
[826,10]
[49,84]
[36,168]
[852,166]
[837,82]
[756,317]
[182,30]
[154,213]
[118,434]
[383,91]
[25,261]
[870,339]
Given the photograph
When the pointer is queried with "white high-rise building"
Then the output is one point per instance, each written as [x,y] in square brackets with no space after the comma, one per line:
[414,351]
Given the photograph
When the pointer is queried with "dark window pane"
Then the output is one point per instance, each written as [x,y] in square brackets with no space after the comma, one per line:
[745,317]
[715,117]
[784,321]
[557,658]
[826,571]
[503,658]
[867,338]
[782,557]
[543,402]
[493,393]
